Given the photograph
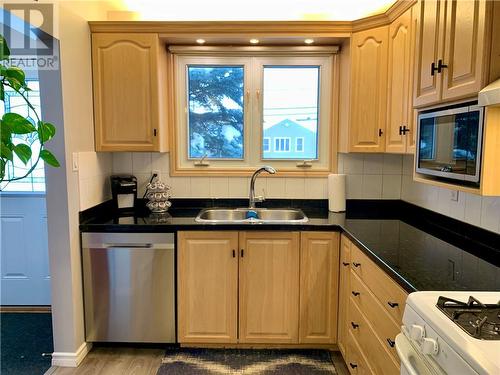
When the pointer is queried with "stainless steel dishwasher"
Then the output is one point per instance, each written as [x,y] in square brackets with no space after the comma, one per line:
[129,287]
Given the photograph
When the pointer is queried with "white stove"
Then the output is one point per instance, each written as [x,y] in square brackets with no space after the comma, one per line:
[461,336]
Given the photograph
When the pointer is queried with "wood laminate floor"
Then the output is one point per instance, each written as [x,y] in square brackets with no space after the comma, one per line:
[137,361]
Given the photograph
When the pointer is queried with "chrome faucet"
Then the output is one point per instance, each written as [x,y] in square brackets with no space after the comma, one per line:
[252,199]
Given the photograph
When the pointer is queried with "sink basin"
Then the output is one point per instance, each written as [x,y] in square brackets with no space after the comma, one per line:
[258,215]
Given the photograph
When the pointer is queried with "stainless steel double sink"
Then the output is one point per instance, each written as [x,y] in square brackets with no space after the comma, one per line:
[251,215]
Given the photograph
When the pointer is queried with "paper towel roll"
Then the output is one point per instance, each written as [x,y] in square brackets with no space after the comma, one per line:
[336,192]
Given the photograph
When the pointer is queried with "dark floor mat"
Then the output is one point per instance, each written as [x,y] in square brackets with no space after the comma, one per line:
[24,337]
[246,362]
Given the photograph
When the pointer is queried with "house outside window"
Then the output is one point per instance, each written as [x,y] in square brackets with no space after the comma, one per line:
[281,144]
[232,109]
[266,144]
[299,144]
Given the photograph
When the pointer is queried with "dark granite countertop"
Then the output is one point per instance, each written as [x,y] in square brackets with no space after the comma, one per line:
[419,249]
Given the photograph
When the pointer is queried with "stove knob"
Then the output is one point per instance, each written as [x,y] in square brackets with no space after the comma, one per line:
[429,346]
[417,332]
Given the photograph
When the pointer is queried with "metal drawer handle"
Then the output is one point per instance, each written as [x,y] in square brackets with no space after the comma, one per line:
[353,365]
[345,263]
[354,325]
[393,304]
[391,343]
[356,264]
[355,294]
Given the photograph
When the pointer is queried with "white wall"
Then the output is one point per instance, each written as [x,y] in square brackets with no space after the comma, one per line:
[480,211]
[373,176]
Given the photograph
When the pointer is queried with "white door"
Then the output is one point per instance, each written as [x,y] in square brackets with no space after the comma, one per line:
[24,257]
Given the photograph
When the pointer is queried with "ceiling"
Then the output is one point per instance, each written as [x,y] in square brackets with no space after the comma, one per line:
[255,10]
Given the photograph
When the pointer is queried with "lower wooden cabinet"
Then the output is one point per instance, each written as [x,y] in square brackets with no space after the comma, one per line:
[371,306]
[207,287]
[257,287]
[269,287]
[344,291]
[319,275]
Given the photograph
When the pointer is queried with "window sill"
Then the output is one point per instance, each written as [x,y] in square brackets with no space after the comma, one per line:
[247,172]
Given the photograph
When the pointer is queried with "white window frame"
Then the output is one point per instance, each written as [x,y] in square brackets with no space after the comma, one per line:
[253,130]
[282,139]
[268,143]
[296,148]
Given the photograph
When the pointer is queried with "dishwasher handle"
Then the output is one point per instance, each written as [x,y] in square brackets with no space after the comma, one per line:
[127,245]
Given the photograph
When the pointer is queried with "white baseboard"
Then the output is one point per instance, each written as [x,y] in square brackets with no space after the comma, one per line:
[71,359]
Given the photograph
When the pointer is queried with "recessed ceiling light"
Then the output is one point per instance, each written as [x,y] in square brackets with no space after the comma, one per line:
[309,41]
[254,41]
[200,41]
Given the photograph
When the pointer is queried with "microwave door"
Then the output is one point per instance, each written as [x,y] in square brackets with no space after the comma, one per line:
[448,144]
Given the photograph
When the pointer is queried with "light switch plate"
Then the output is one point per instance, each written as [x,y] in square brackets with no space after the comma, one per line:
[454,195]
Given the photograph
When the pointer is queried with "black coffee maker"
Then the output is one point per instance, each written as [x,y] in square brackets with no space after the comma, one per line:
[124,191]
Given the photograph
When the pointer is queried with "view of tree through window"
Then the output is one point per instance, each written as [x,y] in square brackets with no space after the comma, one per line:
[291,97]
[215,103]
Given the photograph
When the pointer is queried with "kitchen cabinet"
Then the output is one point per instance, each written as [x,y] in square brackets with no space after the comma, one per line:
[269,287]
[368,107]
[129,84]
[207,287]
[372,313]
[319,286]
[453,50]
[400,135]
[345,262]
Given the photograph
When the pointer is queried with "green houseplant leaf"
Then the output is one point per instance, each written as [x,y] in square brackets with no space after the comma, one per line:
[49,158]
[18,124]
[23,152]
[6,152]
[4,49]
[46,131]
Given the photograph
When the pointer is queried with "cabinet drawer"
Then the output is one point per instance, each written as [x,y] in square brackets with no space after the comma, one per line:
[383,325]
[356,361]
[378,357]
[390,295]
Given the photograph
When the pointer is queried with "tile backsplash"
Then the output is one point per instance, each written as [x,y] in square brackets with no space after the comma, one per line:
[369,176]
[372,176]
[474,209]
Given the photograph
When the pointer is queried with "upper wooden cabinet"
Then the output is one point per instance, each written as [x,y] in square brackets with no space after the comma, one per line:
[269,287]
[453,49]
[400,114]
[319,287]
[129,77]
[368,107]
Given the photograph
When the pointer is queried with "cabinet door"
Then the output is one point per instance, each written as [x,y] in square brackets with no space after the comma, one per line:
[399,96]
[465,48]
[126,106]
[369,90]
[344,290]
[207,287]
[319,275]
[269,287]
[429,49]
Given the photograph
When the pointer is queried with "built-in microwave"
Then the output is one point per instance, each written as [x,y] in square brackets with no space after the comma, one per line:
[449,143]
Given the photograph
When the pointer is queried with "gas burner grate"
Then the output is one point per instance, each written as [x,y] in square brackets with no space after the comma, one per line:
[479,320]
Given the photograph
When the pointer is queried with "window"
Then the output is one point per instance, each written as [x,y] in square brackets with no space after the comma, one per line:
[281,144]
[266,144]
[13,102]
[238,111]
[215,119]
[299,144]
